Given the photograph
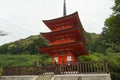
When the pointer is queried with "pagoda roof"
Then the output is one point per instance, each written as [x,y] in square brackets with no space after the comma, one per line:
[75,31]
[77,47]
[72,19]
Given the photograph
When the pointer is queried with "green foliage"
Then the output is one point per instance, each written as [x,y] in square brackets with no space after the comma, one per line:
[0,71]
[114,65]
[113,60]
[116,7]
[89,57]
[24,46]
[43,59]
[111,31]
[17,60]
[91,39]
[113,26]
[95,42]
[8,60]
[115,76]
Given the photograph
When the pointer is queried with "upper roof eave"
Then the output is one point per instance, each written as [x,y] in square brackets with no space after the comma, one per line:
[51,20]
[63,19]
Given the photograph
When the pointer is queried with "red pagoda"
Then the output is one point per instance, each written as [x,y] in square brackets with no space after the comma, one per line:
[66,40]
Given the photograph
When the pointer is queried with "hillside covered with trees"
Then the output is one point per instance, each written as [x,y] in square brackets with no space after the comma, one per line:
[94,43]
[24,53]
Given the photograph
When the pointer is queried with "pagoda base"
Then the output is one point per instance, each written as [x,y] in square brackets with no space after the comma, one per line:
[82,77]
[60,77]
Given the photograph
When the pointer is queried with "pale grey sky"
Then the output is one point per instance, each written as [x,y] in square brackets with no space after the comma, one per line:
[23,18]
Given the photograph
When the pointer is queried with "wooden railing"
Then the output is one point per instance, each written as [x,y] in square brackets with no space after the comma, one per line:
[65,68]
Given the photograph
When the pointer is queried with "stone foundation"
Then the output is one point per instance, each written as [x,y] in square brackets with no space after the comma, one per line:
[82,77]
[29,77]
[60,77]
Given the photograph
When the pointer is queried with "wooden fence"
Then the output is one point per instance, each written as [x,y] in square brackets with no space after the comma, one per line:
[65,68]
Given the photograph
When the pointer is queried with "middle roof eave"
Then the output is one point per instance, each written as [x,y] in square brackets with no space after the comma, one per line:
[62,31]
[72,30]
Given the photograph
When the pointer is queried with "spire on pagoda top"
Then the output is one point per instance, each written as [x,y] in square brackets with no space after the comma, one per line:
[64,8]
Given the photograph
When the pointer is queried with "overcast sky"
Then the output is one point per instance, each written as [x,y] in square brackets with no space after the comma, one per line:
[23,18]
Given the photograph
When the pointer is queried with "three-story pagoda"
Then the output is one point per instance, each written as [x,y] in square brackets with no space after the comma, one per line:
[66,38]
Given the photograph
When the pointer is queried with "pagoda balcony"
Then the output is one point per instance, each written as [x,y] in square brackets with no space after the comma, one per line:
[62,42]
[61,28]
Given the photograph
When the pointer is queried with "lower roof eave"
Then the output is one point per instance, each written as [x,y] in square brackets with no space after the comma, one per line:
[78,47]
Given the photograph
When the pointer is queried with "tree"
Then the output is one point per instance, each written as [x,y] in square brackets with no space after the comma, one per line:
[111,31]
[116,7]
[2,33]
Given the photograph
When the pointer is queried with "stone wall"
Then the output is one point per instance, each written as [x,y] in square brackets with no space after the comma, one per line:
[18,77]
[82,77]
[60,77]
